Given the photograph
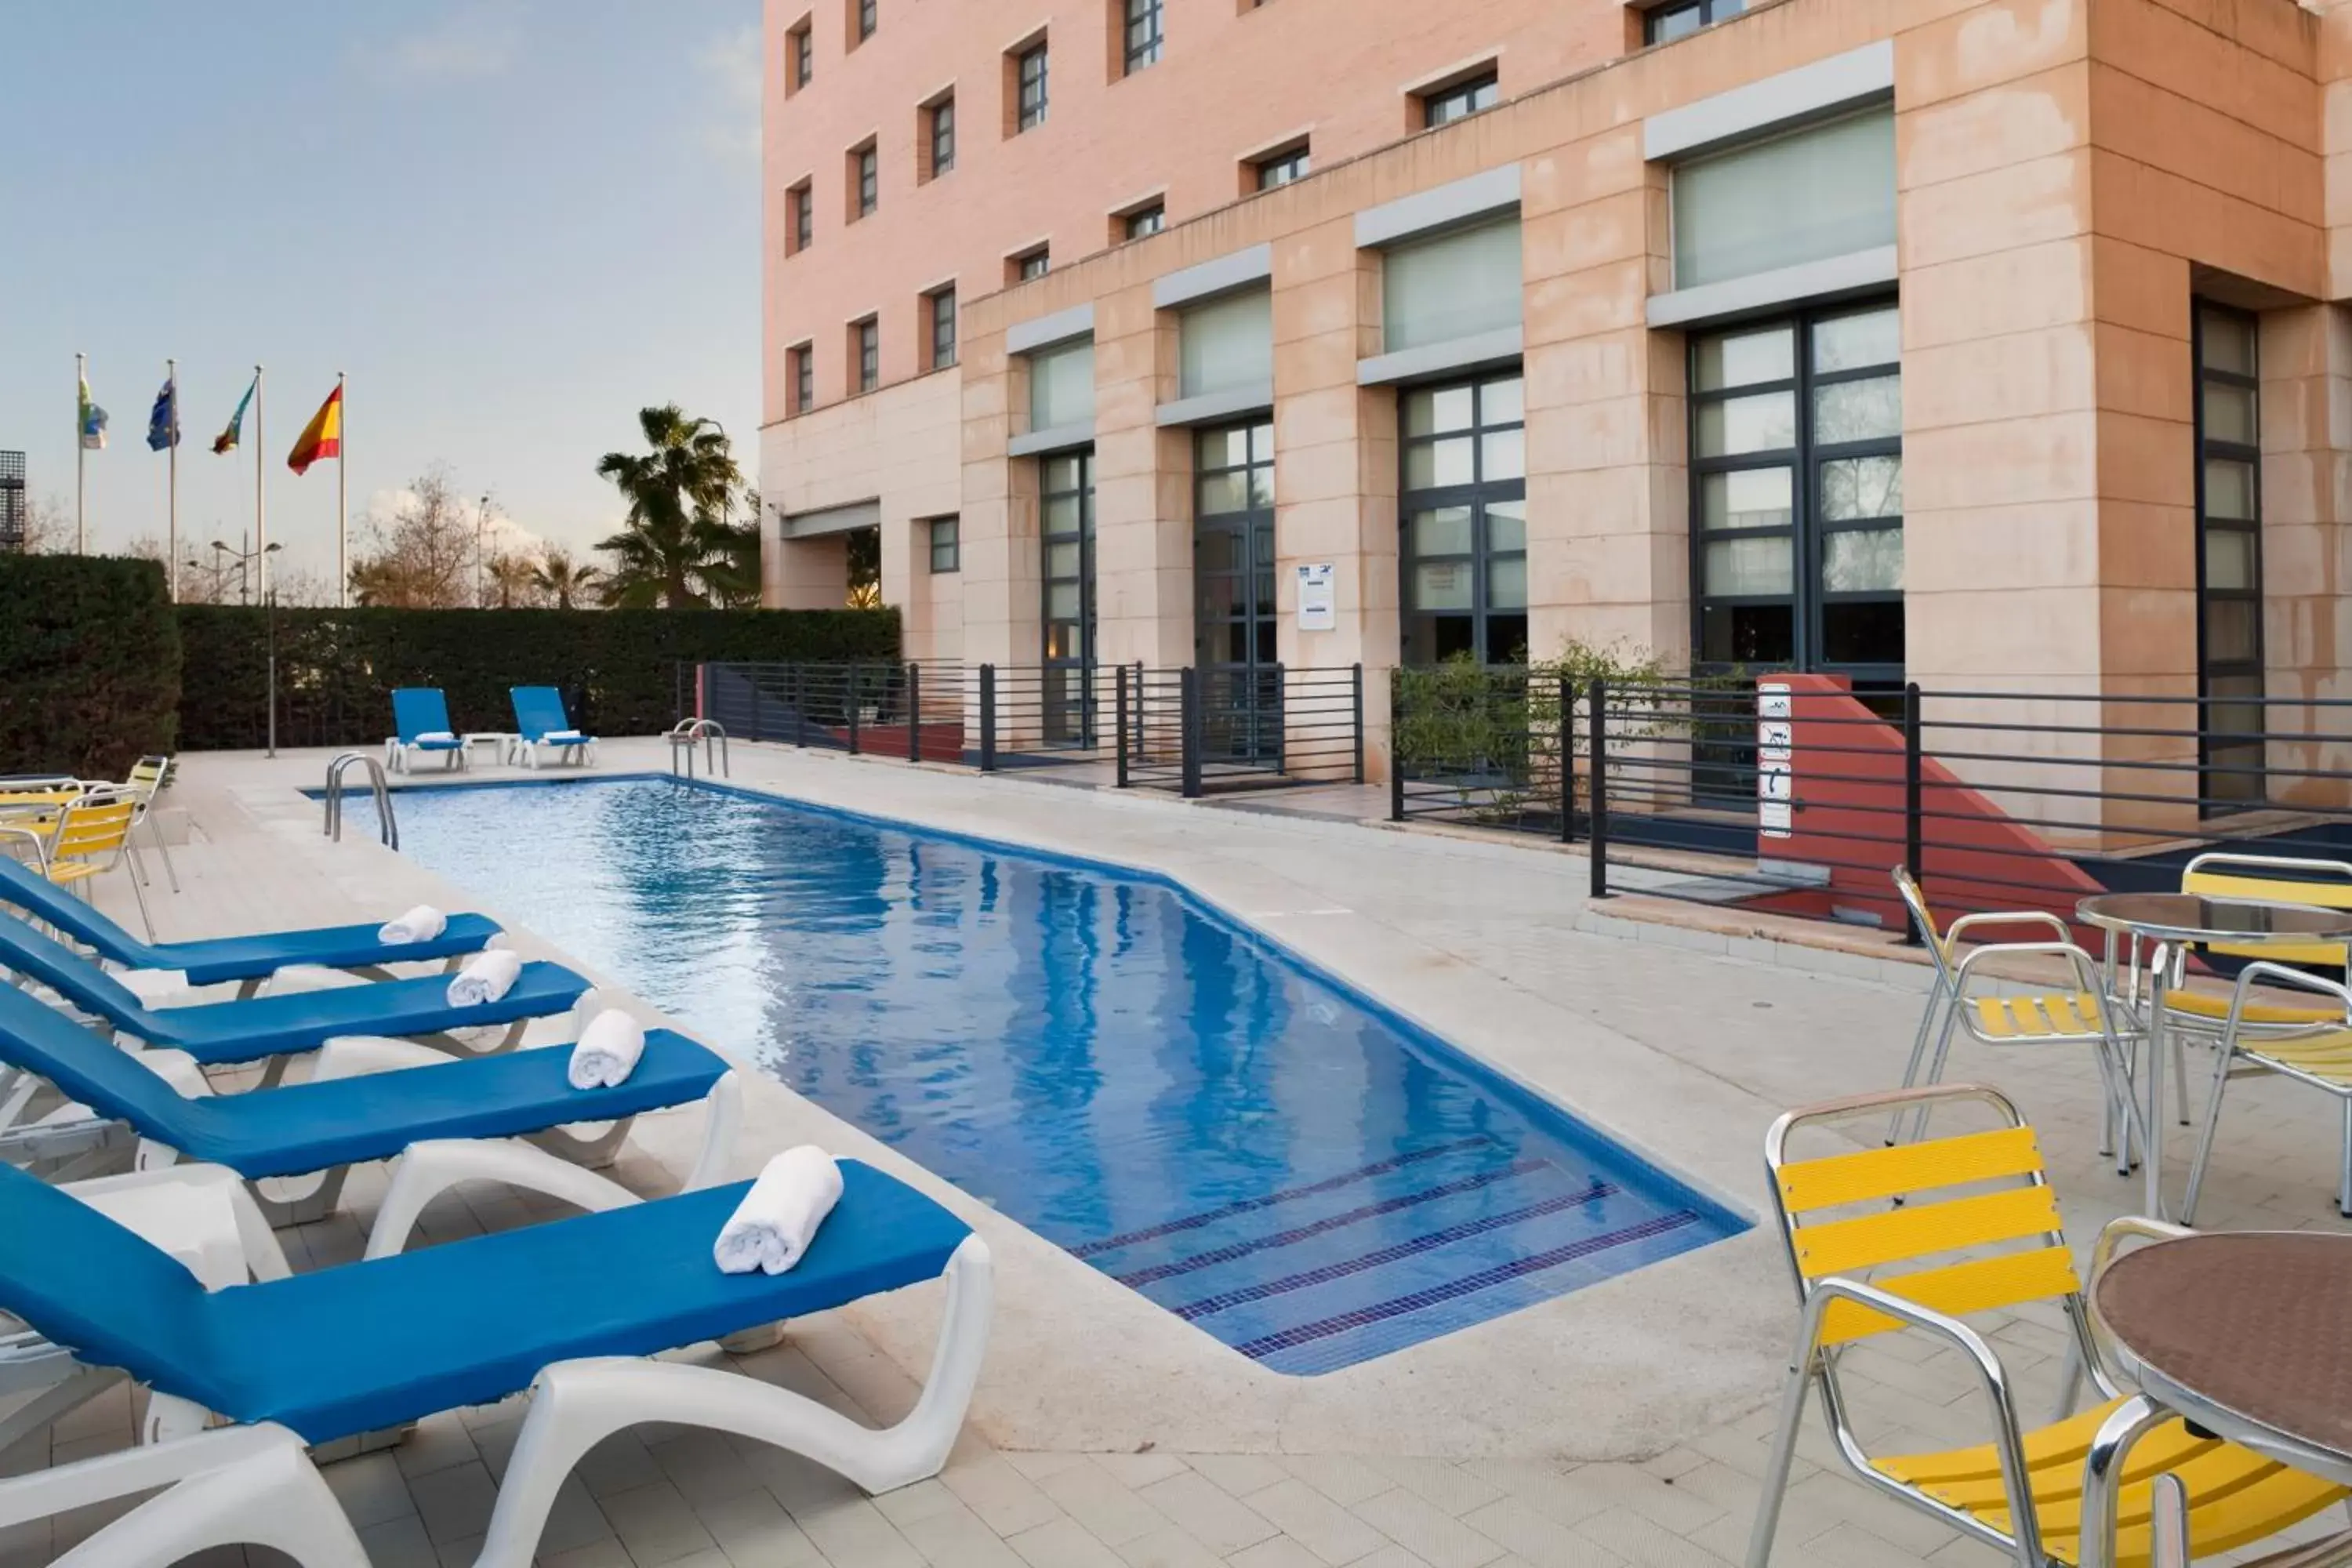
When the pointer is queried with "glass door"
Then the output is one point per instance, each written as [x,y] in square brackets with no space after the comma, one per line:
[1067,513]
[1234,595]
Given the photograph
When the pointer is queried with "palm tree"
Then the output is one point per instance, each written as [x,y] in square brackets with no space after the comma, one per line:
[681,498]
[563,579]
[512,579]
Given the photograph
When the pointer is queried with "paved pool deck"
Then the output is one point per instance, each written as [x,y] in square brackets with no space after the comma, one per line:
[1621,1424]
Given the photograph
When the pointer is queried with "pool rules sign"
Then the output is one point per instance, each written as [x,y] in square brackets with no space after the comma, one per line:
[1776,761]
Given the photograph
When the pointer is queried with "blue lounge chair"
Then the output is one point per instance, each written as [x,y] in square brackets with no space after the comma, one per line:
[219,1034]
[335,1121]
[542,722]
[250,960]
[372,1345]
[420,715]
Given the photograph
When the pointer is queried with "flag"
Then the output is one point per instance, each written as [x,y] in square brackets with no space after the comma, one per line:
[93,421]
[323,438]
[163,424]
[229,438]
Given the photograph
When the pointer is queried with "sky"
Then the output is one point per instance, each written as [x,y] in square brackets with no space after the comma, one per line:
[513,223]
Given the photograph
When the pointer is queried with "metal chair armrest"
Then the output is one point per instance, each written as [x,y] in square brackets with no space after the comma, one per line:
[2009,917]
[2086,969]
[39,842]
[2123,1228]
[2263,969]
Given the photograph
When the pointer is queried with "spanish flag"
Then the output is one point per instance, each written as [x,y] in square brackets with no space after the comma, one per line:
[323,438]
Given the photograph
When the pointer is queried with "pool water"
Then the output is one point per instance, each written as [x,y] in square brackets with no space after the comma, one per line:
[1141,1081]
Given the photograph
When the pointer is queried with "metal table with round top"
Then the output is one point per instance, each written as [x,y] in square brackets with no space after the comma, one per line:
[2185,921]
[2243,1335]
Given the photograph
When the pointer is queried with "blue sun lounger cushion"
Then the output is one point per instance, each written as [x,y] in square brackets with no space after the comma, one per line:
[421,711]
[219,1033]
[539,717]
[296,1129]
[371,1345]
[219,959]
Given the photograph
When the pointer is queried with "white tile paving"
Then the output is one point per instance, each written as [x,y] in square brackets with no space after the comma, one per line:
[680,1498]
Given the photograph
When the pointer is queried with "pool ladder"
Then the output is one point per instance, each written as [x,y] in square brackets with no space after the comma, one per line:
[682,738]
[378,785]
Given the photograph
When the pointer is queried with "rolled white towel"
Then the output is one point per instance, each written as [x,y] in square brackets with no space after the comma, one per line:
[779,1216]
[438,737]
[486,977]
[607,1052]
[422,923]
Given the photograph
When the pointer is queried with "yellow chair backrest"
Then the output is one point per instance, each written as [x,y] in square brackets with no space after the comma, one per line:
[148,773]
[1837,1218]
[97,823]
[2321,884]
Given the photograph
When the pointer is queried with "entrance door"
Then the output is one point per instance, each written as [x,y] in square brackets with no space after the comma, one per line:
[1233,584]
[1066,504]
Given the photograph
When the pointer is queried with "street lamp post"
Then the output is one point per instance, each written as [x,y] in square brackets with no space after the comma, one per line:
[244,561]
[481,538]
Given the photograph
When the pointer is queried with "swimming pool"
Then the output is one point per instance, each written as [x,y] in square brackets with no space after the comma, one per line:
[1146,1084]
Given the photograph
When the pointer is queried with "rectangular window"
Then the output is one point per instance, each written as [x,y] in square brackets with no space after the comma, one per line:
[1062,386]
[1144,35]
[1282,168]
[803,369]
[866,18]
[1144,222]
[866,163]
[800,57]
[801,218]
[943,328]
[2229,557]
[1035,264]
[1464,546]
[868,336]
[1032,77]
[1226,344]
[946,544]
[1797,494]
[943,132]
[1807,196]
[1461,100]
[1459,285]
[1680,18]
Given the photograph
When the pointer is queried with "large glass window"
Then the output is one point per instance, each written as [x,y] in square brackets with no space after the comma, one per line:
[1810,195]
[2230,553]
[1062,386]
[1145,35]
[1033,88]
[1680,18]
[1066,525]
[1464,551]
[943,328]
[1233,592]
[1797,494]
[1227,345]
[1459,285]
[946,544]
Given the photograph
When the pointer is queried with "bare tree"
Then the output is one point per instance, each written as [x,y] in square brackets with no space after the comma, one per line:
[420,557]
[48,526]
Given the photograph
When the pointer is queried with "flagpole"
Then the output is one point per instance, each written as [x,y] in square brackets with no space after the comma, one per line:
[260,513]
[82,459]
[172,550]
[342,494]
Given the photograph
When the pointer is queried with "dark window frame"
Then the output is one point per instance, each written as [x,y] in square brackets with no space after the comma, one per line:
[868,18]
[868,333]
[1663,23]
[800,48]
[1034,87]
[1806,599]
[944,536]
[1058,697]
[1287,167]
[869,179]
[942,127]
[803,370]
[2230,776]
[1032,264]
[1476,497]
[942,303]
[801,214]
[1146,36]
[1459,101]
[1155,215]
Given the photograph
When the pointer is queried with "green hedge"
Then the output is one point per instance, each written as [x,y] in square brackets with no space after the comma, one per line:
[617,669]
[90,664]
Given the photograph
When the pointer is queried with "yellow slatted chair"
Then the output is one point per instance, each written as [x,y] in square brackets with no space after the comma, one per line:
[2079,1016]
[148,777]
[2268,880]
[1921,1236]
[92,837]
[2317,1053]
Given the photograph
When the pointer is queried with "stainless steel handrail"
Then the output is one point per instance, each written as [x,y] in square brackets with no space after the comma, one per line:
[685,732]
[378,785]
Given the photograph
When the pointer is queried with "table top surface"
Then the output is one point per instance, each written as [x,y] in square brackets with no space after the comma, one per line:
[2251,1324]
[2192,916]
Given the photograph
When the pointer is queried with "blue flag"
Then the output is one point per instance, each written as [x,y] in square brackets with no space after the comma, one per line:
[163,424]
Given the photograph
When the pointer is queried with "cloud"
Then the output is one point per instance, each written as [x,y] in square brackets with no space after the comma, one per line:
[467,45]
[731,65]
